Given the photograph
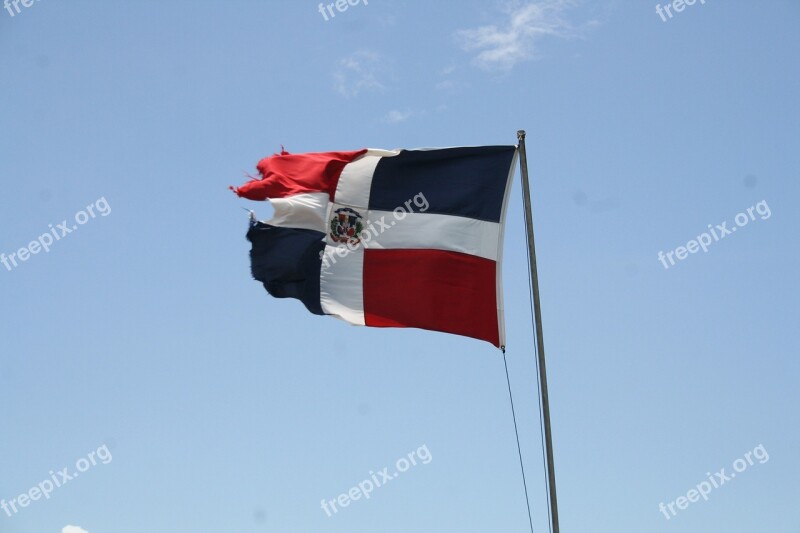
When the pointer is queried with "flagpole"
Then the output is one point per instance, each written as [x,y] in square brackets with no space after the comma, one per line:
[537,312]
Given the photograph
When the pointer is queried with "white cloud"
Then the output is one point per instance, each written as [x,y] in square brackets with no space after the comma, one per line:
[395,116]
[73,529]
[360,71]
[447,84]
[528,23]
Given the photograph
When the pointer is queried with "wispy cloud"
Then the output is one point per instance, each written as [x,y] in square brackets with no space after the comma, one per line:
[395,116]
[73,529]
[518,40]
[358,72]
[447,83]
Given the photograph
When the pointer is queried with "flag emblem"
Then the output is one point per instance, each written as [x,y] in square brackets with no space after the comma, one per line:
[346,226]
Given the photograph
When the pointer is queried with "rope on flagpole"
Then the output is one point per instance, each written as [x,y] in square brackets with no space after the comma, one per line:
[516,433]
[539,396]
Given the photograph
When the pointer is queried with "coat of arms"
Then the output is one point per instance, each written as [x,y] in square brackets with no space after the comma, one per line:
[346,226]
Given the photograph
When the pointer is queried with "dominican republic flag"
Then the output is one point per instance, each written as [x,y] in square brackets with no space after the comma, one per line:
[403,238]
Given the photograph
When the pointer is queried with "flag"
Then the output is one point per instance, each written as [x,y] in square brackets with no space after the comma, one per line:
[402,238]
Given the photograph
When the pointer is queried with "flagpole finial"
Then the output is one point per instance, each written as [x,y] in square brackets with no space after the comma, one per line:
[520,134]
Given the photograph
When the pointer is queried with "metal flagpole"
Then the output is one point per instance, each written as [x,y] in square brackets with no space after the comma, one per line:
[537,312]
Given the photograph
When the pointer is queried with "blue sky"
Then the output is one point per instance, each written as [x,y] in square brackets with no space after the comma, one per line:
[227,410]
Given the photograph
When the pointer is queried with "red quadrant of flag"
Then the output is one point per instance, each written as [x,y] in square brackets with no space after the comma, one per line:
[431,289]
